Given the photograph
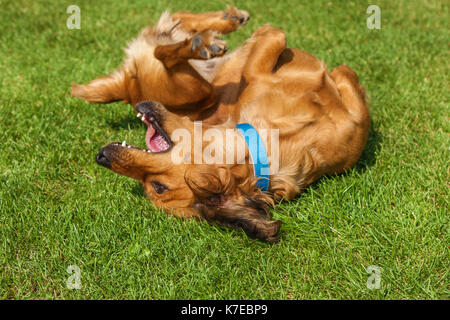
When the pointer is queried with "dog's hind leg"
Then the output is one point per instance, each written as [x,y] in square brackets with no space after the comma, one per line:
[269,43]
[225,21]
[352,93]
[354,100]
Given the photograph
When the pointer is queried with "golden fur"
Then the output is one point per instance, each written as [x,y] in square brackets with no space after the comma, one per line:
[322,116]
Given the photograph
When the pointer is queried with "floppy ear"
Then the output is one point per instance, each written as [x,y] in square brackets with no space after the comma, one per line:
[227,200]
[102,90]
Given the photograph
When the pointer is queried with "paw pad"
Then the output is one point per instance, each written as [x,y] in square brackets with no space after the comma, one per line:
[236,16]
[197,42]
[204,53]
[208,45]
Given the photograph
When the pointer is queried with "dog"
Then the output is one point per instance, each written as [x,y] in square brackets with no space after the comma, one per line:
[321,119]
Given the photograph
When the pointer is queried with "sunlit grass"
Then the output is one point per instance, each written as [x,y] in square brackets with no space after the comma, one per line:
[59,208]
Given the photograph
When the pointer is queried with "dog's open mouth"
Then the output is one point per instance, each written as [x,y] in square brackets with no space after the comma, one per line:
[156,138]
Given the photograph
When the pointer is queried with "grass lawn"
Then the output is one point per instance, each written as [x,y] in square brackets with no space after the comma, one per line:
[59,208]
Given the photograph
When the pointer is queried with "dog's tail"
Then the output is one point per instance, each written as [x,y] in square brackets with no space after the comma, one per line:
[102,90]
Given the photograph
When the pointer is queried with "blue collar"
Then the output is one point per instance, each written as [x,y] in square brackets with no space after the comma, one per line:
[258,154]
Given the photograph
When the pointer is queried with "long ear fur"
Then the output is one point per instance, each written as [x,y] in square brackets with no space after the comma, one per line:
[224,199]
[102,90]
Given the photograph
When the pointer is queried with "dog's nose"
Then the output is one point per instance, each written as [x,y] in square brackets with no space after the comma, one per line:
[102,158]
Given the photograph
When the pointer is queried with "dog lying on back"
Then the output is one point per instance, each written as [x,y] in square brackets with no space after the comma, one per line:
[178,72]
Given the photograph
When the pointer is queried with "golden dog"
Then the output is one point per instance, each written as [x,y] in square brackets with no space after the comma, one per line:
[321,117]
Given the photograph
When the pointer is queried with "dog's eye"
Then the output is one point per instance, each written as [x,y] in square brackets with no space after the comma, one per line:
[159,188]
[214,200]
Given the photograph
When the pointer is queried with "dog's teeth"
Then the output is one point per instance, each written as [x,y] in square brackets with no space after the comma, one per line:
[129,147]
[139,115]
[143,118]
[124,143]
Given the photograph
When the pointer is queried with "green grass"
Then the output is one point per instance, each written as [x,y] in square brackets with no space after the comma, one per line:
[59,208]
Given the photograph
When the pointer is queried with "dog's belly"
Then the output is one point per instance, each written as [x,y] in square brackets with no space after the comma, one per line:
[295,73]
[299,87]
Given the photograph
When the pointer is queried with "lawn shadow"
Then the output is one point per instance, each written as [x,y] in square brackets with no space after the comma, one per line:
[369,155]
[138,190]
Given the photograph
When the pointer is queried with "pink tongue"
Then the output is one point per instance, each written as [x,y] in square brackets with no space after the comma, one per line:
[148,136]
[158,143]
[154,141]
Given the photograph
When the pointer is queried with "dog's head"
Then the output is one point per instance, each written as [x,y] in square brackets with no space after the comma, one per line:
[224,194]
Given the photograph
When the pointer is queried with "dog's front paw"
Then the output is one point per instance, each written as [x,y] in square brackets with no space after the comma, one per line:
[236,17]
[207,45]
